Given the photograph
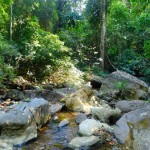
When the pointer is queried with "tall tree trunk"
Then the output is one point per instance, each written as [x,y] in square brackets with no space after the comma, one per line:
[103,34]
[10,22]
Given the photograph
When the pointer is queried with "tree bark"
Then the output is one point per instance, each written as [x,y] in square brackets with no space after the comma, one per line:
[103,34]
[11,22]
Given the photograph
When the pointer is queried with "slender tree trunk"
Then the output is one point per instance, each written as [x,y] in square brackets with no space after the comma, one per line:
[103,33]
[11,22]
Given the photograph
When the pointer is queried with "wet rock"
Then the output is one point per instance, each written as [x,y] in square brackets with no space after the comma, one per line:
[19,123]
[80,117]
[90,126]
[126,106]
[5,146]
[55,108]
[133,129]
[83,141]
[55,118]
[63,123]
[105,113]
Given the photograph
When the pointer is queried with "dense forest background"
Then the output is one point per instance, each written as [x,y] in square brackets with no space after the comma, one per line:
[38,37]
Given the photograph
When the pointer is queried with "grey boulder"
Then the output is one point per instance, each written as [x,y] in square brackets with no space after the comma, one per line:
[132,87]
[104,113]
[19,123]
[127,106]
[90,126]
[133,129]
[80,117]
[83,141]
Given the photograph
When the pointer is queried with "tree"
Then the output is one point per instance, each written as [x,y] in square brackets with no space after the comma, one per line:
[11,21]
[103,33]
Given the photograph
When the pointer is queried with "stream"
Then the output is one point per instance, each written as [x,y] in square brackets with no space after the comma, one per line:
[50,137]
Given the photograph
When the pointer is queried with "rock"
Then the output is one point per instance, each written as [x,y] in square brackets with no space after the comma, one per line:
[67,148]
[51,96]
[90,126]
[63,123]
[105,113]
[55,108]
[79,101]
[15,95]
[126,106]
[66,91]
[19,123]
[5,146]
[55,118]
[48,86]
[96,82]
[149,93]
[83,141]
[123,75]
[80,117]
[132,87]
[133,129]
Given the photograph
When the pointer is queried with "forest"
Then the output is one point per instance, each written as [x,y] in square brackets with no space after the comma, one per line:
[37,37]
[74,74]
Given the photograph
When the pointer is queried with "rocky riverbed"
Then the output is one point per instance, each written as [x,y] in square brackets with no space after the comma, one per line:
[113,111]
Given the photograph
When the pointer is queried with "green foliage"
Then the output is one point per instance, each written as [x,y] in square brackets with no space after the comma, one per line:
[147,49]
[120,85]
[96,70]
[80,39]
[38,52]
[42,52]
[8,54]
[131,62]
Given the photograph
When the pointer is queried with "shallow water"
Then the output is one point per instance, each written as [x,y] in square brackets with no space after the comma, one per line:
[51,137]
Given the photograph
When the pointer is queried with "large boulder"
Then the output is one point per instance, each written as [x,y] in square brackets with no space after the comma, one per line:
[83,141]
[131,87]
[133,129]
[79,101]
[104,114]
[90,126]
[127,106]
[19,123]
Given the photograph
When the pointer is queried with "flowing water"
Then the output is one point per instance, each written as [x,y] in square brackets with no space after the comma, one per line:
[51,137]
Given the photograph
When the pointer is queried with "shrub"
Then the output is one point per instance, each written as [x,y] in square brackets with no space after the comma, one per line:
[8,53]
[42,53]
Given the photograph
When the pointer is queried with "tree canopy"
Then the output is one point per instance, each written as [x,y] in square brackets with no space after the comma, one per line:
[49,33]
